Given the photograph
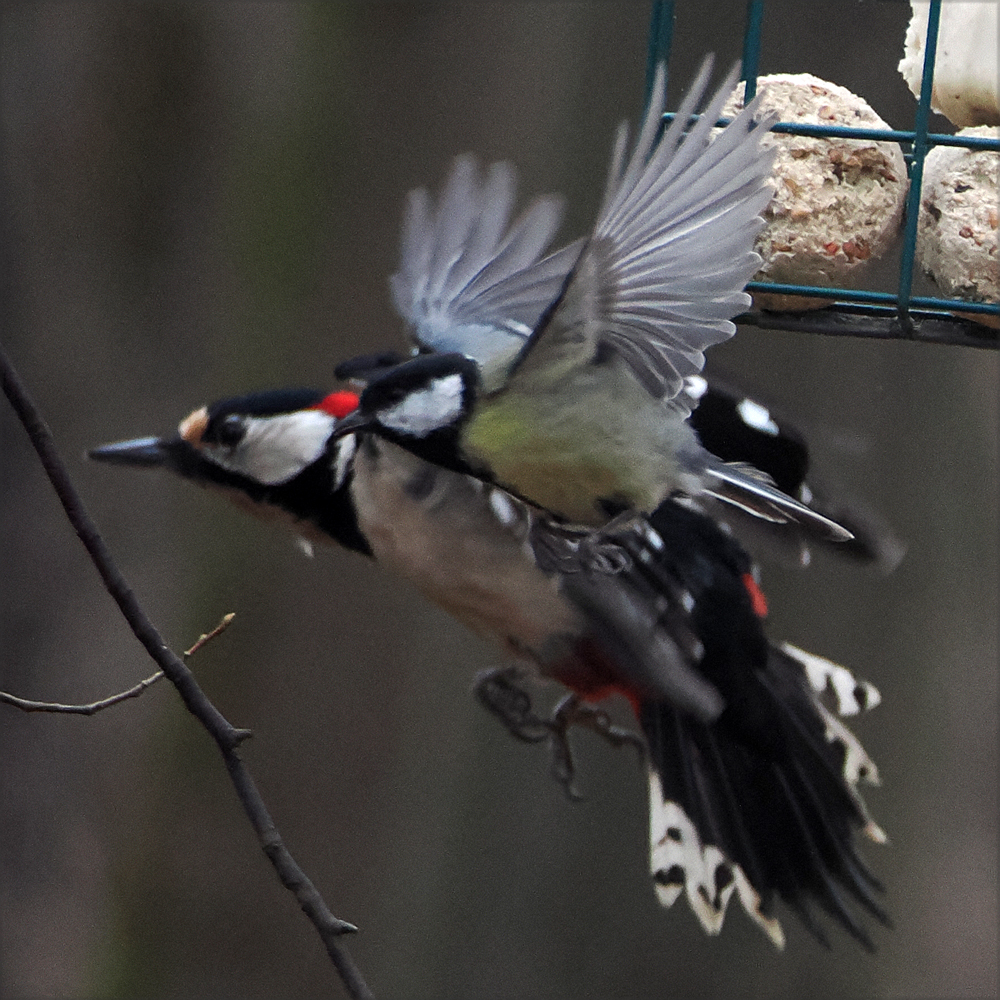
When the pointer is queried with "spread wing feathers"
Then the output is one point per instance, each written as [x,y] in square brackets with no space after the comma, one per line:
[753,491]
[468,279]
[663,273]
[762,802]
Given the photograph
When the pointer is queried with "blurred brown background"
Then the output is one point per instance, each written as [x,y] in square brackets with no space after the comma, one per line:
[203,199]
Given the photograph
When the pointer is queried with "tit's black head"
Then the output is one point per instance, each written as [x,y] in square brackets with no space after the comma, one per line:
[420,396]
[421,406]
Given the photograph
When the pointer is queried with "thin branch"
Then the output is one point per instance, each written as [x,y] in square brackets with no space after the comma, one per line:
[92,708]
[207,637]
[227,737]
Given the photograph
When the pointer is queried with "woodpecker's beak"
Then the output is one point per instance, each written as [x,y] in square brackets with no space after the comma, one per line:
[147,451]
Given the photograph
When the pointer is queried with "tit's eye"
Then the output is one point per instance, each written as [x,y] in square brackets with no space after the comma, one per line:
[229,431]
[383,396]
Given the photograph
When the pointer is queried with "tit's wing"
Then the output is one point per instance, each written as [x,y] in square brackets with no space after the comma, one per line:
[469,280]
[754,492]
[663,273]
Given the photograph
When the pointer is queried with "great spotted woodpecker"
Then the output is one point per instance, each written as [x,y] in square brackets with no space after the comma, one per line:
[752,776]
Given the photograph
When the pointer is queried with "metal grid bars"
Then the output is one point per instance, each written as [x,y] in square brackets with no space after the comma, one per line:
[897,314]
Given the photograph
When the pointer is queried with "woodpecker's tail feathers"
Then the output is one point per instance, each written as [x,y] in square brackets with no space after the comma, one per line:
[767,821]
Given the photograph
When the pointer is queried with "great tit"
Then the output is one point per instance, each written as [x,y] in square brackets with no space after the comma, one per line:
[586,417]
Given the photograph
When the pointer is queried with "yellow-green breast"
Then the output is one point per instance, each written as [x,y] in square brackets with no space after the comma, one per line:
[560,460]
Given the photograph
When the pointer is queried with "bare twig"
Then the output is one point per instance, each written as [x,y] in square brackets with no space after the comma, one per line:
[227,737]
[91,708]
[207,637]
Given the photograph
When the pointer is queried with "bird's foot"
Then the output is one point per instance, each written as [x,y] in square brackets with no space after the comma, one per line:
[499,692]
[566,548]
[572,711]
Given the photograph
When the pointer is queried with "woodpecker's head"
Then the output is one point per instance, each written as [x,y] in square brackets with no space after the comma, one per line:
[275,452]
[421,404]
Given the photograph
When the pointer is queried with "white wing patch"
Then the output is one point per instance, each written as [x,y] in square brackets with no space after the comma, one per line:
[425,410]
[758,417]
[852,695]
[695,386]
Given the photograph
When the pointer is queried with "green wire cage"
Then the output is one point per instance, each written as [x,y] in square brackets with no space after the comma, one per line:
[896,313]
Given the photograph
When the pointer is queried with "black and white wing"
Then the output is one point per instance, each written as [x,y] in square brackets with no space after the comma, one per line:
[737,428]
[469,280]
[662,275]
[763,802]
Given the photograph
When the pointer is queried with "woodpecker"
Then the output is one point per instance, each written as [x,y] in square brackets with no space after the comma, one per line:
[587,419]
[753,778]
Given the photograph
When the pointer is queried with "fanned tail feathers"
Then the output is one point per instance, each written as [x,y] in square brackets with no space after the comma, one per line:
[779,823]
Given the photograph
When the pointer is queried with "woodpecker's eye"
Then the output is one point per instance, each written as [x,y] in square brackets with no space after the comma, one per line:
[229,431]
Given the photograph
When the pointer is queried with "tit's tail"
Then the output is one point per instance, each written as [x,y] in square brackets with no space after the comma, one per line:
[766,819]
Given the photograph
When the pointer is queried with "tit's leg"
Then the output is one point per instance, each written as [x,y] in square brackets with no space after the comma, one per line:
[566,548]
[571,711]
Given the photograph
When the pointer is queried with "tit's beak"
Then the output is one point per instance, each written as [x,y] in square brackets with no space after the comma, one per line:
[351,424]
[147,451]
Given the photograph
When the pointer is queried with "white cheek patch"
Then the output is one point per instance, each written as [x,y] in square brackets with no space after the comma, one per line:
[276,449]
[426,410]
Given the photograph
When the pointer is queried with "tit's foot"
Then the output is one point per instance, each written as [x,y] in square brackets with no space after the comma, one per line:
[498,691]
[566,548]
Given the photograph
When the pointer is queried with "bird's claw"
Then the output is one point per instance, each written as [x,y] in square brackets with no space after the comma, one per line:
[498,692]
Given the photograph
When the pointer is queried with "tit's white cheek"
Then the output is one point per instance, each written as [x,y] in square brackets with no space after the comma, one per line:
[427,410]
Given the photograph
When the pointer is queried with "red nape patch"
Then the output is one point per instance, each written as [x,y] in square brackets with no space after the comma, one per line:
[757,599]
[338,404]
